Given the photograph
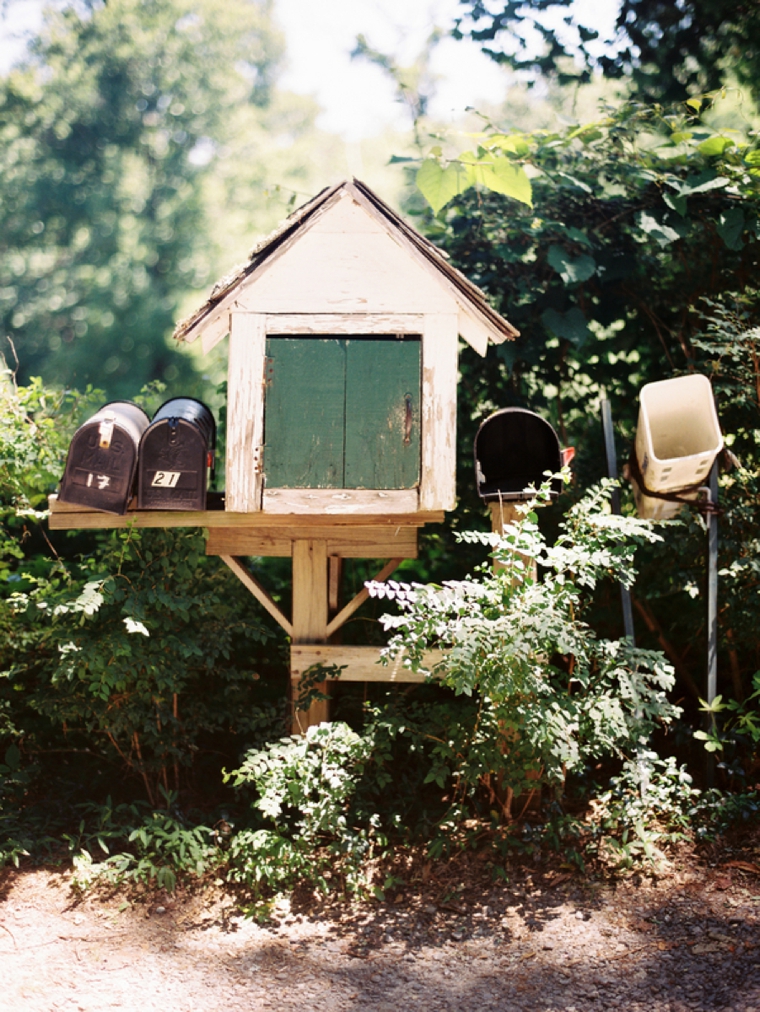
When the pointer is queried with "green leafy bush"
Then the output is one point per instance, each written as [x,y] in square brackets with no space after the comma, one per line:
[552,694]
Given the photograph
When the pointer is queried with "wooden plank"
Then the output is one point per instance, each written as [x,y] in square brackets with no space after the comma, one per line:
[502,514]
[339,501]
[342,617]
[362,663]
[304,420]
[343,542]
[383,388]
[476,334]
[439,412]
[245,412]
[310,614]
[214,330]
[67,516]
[344,323]
[252,584]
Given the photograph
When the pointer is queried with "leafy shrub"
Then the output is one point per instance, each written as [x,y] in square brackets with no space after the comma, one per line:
[551,694]
[306,785]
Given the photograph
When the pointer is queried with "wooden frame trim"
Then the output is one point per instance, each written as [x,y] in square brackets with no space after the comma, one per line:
[66,516]
[440,339]
[261,595]
[339,501]
[245,412]
[345,613]
[362,663]
[303,324]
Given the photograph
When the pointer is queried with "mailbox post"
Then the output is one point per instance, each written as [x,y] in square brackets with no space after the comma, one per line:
[343,332]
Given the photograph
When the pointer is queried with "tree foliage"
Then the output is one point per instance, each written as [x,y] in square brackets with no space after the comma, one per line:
[636,261]
[664,50]
[110,136]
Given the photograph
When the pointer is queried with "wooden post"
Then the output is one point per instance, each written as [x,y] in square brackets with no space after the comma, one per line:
[309,619]
[503,513]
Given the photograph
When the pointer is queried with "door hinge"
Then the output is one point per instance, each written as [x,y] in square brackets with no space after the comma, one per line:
[258,459]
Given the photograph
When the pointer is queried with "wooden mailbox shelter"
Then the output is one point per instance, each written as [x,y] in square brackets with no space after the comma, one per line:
[341,407]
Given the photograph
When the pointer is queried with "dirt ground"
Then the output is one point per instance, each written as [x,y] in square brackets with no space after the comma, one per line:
[685,940]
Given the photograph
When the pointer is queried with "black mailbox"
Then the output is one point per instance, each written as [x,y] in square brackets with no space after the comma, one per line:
[513,449]
[176,455]
[102,459]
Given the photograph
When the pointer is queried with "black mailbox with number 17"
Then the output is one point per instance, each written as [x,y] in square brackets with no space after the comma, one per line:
[176,456]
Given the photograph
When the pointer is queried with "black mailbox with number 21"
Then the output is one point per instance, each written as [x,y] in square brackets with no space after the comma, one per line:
[176,455]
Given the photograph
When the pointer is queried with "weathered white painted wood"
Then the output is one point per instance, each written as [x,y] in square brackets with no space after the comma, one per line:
[331,501]
[345,272]
[245,412]
[439,412]
[362,663]
[261,595]
[344,542]
[344,323]
[474,333]
[216,330]
[335,623]
[346,215]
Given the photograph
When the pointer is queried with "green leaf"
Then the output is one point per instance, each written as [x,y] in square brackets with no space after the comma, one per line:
[503,176]
[438,185]
[752,158]
[400,159]
[715,145]
[730,228]
[694,103]
[513,143]
[702,184]
[661,232]
[675,203]
[135,627]
[571,326]
[12,757]
[571,269]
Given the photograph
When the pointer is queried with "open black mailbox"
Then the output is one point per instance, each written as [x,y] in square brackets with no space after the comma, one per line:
[176,455]
[102,458]
[513,449]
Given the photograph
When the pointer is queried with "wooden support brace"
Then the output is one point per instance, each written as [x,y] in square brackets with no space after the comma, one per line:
[261,595]
[360,598]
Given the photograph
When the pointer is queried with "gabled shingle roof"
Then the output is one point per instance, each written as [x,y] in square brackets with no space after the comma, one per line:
[463,289]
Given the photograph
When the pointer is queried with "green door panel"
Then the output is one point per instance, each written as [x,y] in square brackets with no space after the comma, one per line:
[304,414]
[383,386]
[342,412]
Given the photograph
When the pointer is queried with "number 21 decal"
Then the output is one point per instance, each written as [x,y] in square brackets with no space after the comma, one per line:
[166,479]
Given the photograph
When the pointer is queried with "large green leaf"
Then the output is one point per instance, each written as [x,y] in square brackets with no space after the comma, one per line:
[505,177]
[731,226]
[571,326]
[571,269]
[438,185]
[715,145]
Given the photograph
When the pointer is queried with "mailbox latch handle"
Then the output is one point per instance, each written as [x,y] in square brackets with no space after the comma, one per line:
[105,431]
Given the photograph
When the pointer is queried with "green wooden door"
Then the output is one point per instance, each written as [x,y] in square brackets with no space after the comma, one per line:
[304,416]
[342,412]
[382,414]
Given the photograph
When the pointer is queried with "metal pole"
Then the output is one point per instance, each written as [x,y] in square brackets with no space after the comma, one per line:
[712,609]
[612,471]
